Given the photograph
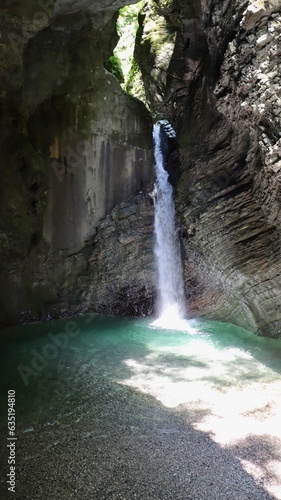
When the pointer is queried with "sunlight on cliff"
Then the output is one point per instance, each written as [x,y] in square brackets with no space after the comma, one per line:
[127,26]
[256,5]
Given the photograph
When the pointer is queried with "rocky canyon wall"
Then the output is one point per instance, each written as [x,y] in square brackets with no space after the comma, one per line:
[73,146]
[77,225]
[221,90]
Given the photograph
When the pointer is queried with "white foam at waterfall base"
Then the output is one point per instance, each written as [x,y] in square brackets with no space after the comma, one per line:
[170,283]
[170,320]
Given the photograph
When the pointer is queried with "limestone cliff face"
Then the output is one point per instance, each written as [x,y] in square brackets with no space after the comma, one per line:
[221,90]
[73,146]
[120,277]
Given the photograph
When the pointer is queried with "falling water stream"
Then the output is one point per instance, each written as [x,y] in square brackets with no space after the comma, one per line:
[167,247]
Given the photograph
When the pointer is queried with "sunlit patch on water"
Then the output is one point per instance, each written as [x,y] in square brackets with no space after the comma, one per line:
[223,380]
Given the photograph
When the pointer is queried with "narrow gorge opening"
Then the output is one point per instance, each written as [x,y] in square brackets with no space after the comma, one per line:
[127,28]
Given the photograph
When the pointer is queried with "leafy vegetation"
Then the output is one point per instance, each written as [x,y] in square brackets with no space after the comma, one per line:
[127,26]
[113,65]
[134,84]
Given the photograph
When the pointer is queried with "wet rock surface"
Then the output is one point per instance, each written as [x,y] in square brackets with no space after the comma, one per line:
[120,276]
[222,94]
[237,240]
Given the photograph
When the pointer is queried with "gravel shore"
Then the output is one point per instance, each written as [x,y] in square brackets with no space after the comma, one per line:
[116,443]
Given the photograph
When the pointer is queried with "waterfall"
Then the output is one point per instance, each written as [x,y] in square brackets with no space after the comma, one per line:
[167,246]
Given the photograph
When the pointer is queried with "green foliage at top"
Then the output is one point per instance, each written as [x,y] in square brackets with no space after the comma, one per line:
[113,65]
[129,15]
[127,26]
[134,83]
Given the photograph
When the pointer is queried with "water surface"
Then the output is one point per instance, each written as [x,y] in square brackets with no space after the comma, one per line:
[218,379]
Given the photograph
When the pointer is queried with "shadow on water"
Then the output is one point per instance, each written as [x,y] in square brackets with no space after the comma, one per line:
[84,433]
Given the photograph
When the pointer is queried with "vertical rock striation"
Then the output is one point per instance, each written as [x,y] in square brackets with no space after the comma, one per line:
[222,93]
[120,278]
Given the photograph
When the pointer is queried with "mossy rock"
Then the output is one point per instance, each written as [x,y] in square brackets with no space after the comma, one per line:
[113,65]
